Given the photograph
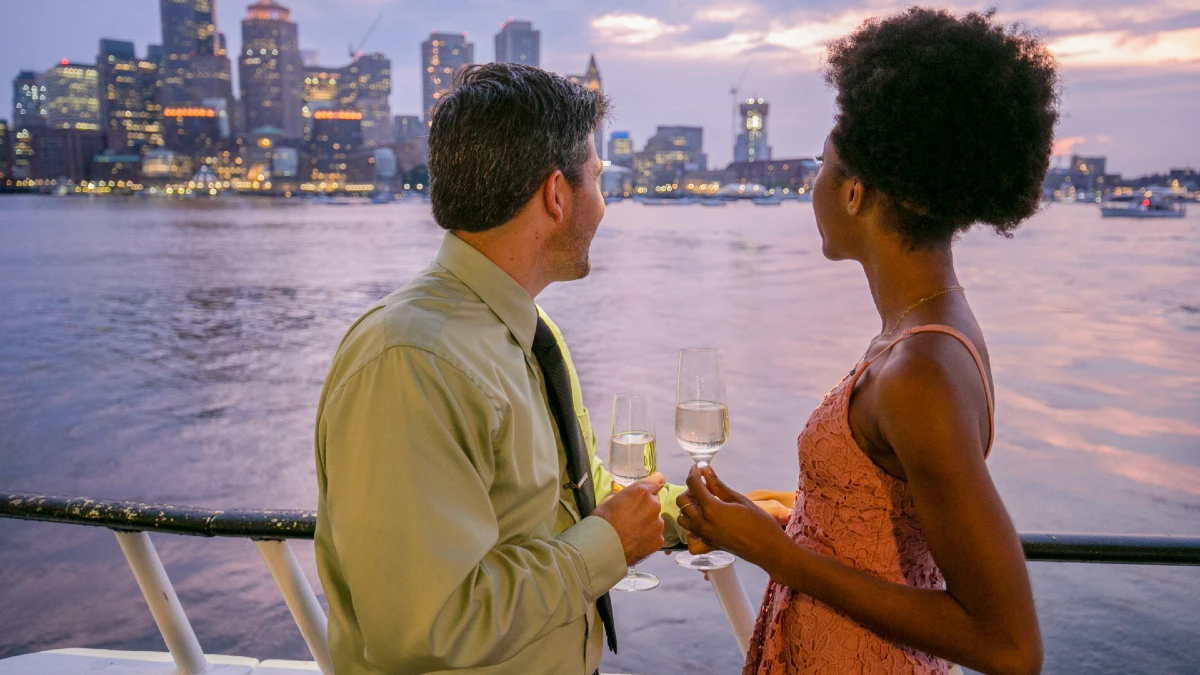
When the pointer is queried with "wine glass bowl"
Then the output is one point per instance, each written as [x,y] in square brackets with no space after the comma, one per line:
[701,427]
[632,457]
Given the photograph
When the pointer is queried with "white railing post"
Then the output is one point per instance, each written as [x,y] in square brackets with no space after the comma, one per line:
[300,599]
[734,602]
[164,604]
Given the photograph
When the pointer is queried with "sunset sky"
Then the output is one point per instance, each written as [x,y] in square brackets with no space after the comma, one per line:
[1131,70]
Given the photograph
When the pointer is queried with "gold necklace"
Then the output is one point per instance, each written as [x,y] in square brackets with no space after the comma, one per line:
[916,305]
[896,325]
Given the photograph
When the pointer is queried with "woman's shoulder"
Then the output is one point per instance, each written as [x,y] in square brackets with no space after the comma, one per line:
[931,367]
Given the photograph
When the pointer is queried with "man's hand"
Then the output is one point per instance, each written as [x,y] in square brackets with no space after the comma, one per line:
[634,514]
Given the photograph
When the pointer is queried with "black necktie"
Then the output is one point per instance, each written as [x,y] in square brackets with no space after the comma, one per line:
[579,470]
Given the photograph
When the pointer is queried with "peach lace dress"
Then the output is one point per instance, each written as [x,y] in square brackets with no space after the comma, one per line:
[849,509]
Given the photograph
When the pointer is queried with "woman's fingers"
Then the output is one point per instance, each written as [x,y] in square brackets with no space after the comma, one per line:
[719,488]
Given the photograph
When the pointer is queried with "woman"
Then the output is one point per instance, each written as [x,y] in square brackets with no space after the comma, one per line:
[898,554]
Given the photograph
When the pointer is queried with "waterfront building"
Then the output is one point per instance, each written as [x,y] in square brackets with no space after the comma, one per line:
[616,181]
[620,149]
[128,109]
[271,73]
[405,127]
[149,83]
[336,135]
[66,152]
[1087,173]
[669,154]
[195,65]
[193,130]
[412,152]
[119,171]
[6,156]
[29,100]
[73,96]
[794,175]
[751,144]
[441,55]
[163,167]
[22,153]
[29,115]
[518,42]
[411,141]
[591,80]
[272,162]
[365,86]
[321,84]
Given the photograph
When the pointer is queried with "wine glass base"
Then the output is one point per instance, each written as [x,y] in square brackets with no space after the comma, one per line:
[638,581]
[705,562]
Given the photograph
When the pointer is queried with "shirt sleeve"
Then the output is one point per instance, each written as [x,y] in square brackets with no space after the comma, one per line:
[409,461]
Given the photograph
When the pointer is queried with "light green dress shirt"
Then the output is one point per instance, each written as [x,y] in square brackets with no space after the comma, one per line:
[446,540]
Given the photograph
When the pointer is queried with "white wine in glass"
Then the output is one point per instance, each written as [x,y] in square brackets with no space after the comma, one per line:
[701,427]
[631,457]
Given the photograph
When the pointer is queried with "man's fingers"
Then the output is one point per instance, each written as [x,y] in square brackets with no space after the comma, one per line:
[655,482]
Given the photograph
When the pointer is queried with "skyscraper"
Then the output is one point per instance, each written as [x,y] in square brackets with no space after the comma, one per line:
[670,153]
[271,73]
[29,100]
[441,55]
[518,42]
[194,63]
[321,83]
[73,96]
[365,86]
[591,80]
[336,134]
[620,149]
[751,144]
[6,158]
[129,119]
[29,115]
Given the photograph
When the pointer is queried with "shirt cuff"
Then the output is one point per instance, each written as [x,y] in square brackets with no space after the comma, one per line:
[603,556]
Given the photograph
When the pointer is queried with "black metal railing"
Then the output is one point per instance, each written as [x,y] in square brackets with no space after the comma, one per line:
[290,524]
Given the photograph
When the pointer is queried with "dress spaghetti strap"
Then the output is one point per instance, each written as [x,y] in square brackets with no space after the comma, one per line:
[941,328]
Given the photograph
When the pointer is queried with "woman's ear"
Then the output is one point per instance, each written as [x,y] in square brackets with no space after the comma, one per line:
[855,195]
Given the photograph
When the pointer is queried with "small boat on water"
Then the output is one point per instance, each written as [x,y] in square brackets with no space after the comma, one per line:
[1146,207]
[769,200]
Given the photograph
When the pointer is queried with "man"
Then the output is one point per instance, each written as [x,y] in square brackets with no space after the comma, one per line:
[449,528]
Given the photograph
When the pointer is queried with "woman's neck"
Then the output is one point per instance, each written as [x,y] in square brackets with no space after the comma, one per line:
[900,277]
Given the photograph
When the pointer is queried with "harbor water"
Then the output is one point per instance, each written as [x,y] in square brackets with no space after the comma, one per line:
[172,351]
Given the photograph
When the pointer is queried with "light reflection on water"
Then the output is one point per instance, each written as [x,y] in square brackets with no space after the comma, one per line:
[175,352]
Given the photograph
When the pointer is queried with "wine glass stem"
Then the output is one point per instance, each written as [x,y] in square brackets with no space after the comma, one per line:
[701,463]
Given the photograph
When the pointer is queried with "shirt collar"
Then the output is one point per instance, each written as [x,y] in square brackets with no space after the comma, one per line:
[500,292]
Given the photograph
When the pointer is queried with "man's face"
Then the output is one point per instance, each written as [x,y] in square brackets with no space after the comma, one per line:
[584,209]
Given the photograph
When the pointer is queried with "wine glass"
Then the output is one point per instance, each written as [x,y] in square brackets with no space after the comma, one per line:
[701,427]
[631,457]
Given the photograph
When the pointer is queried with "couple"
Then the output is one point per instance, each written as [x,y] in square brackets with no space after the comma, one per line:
[464,521]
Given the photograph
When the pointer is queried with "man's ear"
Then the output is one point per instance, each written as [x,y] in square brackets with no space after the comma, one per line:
[552,195]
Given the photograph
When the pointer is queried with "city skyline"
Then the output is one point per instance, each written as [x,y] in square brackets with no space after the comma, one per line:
[1132,78]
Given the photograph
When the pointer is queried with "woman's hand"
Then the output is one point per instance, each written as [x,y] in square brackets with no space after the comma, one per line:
[727,520]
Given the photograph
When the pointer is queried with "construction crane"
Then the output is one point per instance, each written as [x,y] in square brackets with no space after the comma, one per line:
[733,95]
[355,53]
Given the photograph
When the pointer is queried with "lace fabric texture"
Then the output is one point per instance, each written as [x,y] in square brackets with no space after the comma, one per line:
[849,509]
